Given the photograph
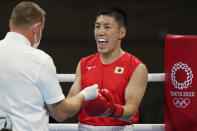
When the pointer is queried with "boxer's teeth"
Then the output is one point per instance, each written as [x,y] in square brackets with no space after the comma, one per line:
[102,40]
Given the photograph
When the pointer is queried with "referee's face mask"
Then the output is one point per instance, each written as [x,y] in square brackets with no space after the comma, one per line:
[37,34]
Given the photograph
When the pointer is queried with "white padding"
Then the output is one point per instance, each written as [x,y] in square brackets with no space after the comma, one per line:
[66,77]
[156,77]
[63,127]
[152,77]
[136,127]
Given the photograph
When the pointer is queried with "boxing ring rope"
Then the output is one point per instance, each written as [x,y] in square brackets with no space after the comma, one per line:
[152,77]
[136,127]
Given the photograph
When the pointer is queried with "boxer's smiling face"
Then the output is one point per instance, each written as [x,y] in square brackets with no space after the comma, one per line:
[107,34]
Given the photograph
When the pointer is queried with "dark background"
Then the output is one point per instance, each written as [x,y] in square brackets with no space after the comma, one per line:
[68,36]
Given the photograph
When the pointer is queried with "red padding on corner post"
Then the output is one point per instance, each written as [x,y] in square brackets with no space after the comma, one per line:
[181,83]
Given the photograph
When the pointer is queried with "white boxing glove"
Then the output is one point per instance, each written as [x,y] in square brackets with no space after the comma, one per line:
[90,92]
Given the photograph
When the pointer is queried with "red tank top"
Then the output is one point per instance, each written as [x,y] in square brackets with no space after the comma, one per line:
[114,77]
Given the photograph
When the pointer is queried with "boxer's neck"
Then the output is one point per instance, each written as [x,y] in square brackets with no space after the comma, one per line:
[111,57]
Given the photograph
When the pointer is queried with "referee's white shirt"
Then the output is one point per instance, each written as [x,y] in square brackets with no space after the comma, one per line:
[27,81]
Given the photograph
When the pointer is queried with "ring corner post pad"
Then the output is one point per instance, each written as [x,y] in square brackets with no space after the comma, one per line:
[180,82]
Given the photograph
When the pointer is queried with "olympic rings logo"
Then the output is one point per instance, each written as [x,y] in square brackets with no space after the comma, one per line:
[187,70]
[180,102]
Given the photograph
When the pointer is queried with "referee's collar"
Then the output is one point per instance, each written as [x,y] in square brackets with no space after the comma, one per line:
[18,37]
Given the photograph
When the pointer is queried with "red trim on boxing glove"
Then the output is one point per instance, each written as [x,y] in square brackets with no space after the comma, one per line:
[118,111]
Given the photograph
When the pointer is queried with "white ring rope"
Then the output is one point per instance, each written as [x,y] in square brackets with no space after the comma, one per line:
[136,127]
[152,77]
[156,77]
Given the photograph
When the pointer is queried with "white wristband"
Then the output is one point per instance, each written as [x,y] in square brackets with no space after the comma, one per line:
[90,92]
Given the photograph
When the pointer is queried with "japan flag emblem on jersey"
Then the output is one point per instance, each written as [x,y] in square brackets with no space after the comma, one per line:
[119,70]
